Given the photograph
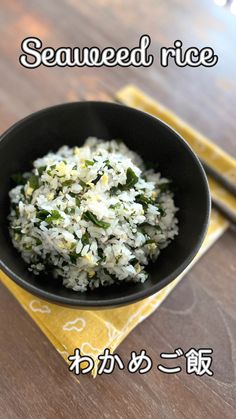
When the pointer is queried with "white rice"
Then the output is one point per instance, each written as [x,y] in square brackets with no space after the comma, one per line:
[92,215]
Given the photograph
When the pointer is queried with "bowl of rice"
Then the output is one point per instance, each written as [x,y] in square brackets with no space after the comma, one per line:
[101,205]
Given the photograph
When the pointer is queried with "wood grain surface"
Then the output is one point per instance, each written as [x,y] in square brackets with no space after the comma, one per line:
[34,380]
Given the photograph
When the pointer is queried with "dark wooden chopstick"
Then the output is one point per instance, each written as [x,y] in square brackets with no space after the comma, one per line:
[226,184]
[220,178]
[224,210]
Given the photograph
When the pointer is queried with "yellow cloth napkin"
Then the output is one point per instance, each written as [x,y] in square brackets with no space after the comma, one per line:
[93,331]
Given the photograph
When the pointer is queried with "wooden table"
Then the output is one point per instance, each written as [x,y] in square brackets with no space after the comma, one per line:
[35,382]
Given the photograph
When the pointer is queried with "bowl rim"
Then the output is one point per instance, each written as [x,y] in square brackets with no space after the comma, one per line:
[138,295]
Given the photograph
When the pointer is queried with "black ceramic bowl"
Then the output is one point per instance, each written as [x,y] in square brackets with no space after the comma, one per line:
[71,124]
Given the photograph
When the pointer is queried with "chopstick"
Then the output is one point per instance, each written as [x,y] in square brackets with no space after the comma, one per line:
[226,184]
[224,210]
[229,186]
